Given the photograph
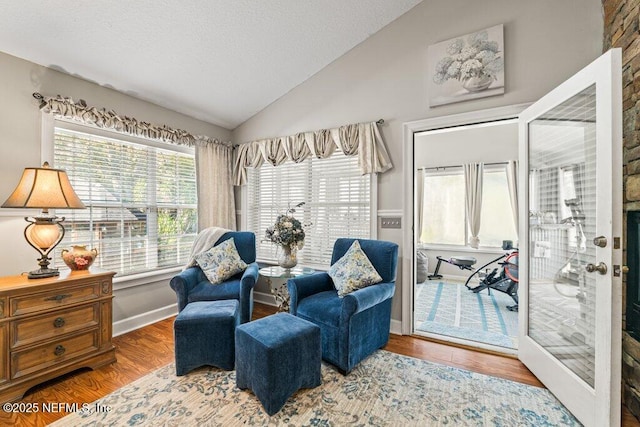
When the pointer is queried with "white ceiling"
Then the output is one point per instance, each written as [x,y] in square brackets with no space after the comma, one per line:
[220,61]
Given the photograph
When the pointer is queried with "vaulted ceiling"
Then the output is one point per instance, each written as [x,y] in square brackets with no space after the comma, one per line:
[220,61]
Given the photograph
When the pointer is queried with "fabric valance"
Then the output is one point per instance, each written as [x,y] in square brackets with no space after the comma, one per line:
[361,139]
[67,108]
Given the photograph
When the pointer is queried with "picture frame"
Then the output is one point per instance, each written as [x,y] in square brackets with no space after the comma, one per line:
[467,67]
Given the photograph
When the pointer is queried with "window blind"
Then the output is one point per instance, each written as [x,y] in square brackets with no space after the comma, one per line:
[141,201]
[444,217]
[337,204]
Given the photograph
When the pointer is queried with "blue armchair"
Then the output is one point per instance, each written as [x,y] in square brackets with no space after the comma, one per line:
[192,284]
[356,325]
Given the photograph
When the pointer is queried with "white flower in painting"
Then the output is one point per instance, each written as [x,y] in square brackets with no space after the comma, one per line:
[454,69]
[455,47]
[467,53]
[478,38]
[471,68]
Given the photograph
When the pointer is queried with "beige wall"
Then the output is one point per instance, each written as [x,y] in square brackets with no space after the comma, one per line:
[546,41]
[20,142]
[385,77]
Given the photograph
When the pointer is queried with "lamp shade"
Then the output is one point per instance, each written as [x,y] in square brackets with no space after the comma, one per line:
[44,188]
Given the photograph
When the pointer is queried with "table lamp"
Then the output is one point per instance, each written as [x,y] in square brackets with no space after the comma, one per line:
[44,188]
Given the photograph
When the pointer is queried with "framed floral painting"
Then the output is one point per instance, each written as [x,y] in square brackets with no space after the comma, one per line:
[467,67]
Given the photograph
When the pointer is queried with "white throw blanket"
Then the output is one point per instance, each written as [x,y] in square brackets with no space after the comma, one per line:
[204,241]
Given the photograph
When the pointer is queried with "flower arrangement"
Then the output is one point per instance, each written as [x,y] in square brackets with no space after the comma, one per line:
[478,57]
[287,230]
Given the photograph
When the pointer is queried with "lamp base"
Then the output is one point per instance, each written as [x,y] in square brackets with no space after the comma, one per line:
[43,273]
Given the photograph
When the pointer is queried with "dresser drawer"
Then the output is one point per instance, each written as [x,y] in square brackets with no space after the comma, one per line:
[41,328]
[34,303]
[25,362]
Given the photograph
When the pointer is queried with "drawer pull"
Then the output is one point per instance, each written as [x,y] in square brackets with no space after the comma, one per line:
[59,350]
[59,322]
[58,297]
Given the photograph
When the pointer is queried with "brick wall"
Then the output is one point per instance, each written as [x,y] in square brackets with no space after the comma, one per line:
[621,25]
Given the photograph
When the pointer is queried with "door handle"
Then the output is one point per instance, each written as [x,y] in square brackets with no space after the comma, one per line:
[600,241]
[600,268]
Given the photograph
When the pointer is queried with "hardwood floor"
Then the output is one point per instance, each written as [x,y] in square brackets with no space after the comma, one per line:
[144,350]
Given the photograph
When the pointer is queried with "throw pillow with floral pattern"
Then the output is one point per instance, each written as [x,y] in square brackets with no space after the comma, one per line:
[221,262]
[353,271]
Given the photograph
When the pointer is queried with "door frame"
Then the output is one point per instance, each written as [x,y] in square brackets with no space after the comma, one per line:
[409,129]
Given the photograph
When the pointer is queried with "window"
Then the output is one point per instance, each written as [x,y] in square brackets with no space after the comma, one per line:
[444,217]
[337,203]
[140,195]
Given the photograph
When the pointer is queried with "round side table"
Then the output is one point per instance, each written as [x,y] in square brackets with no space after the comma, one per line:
[279,287]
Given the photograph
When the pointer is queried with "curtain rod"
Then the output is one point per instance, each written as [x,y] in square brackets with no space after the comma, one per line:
[459,166]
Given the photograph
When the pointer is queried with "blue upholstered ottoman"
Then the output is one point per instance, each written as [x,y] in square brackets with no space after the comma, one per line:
[204,334]
[276,356]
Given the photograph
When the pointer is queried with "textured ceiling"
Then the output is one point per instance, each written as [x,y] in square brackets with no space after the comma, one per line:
[220,61]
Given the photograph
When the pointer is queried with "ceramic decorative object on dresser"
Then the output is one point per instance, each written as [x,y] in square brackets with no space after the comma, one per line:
[79,257]
[52,326]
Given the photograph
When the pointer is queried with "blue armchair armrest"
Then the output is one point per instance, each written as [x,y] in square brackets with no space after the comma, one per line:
[247,283]
[362,299]
[303,286]
[250,276]
[183,283]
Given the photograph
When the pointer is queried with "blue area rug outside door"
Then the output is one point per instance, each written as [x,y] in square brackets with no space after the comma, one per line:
[453,310]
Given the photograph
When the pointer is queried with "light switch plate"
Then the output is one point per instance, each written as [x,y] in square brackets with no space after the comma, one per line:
[390,222]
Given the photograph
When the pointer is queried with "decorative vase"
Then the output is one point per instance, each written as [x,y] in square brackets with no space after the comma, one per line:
[477,84]
[79,257]
[287,258]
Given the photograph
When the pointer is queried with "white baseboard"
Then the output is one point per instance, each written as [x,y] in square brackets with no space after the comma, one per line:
[396,327]
[263,298]
[136,322]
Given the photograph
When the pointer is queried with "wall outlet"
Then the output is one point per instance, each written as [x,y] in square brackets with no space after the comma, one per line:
[390,222]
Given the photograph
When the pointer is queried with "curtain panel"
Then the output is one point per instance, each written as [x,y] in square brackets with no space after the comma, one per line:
[473,180]
[361,139]
[214,158]
[216,203]
[512,182]
[421,177]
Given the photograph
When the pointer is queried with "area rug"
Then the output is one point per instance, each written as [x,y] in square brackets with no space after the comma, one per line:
[386,389]
[453,310]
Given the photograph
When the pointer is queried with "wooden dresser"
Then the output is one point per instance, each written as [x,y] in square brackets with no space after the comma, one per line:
[52,326]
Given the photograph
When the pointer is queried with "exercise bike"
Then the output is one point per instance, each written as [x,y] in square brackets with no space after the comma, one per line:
[503,278]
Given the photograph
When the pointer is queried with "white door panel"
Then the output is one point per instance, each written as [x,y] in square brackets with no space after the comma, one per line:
[571,187]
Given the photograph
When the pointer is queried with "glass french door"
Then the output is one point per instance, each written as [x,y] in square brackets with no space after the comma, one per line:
[570,256]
